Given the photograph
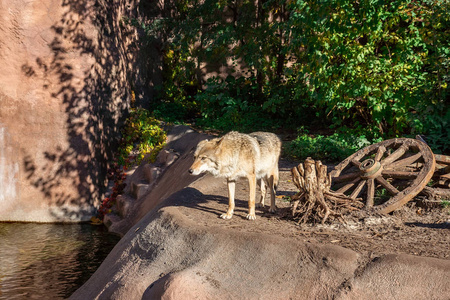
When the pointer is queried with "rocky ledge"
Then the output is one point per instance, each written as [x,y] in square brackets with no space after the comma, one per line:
[181,249]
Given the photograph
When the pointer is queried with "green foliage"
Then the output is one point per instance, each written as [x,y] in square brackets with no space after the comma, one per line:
[437,132]
[333,148]
[176,96]
[374,64]
[231,104]
[141,133]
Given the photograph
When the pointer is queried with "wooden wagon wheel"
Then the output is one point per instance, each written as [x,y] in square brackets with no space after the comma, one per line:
[386,175]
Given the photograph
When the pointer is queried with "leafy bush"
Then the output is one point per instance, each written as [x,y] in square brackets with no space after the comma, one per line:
[372,62]
[375,64]
[437,133]
[230,105]
[333,148]
[143,134]
[175,101]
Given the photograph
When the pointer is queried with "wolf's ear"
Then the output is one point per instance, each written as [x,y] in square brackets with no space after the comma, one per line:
[218,148]
[200,146]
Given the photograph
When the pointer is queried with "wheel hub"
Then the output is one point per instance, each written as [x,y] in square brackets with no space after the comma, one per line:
[370,169]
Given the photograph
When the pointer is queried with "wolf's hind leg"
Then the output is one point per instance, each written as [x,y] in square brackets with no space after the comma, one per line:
[273,181]
[262,183]
[231,189]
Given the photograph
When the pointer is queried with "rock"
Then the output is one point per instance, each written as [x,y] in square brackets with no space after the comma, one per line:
[169,254]
[151,172]
[123,205]
[175,246]
[166,157]
[214,263]
[110,219]
[171,157]
[163,179]
[400,277]
[139,189]
[181,285]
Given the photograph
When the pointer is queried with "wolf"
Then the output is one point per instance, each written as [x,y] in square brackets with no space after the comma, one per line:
[235,155]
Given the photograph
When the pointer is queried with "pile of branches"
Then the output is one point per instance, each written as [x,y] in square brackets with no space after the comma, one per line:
[315,202]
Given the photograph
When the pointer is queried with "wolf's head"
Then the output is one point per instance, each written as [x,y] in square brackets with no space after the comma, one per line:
[205,159]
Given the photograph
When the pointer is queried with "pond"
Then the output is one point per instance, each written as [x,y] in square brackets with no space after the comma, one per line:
[49,261]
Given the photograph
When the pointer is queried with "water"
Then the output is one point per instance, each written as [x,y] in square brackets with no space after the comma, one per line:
[48,261]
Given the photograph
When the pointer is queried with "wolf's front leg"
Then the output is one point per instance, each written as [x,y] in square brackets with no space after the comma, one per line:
[251,202]
[231,188]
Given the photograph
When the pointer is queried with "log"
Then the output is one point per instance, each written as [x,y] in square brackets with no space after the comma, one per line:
[436,193]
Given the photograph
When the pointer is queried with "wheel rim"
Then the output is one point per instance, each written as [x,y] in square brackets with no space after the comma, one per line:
[386,175]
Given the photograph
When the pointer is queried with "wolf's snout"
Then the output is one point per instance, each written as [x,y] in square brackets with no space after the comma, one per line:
[191,171]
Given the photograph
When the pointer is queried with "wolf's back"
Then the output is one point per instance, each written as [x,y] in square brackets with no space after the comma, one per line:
[270,149]
[269,144]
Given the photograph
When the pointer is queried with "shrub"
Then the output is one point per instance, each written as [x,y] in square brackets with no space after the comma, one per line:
[374,64]
[143,134]
[333,148]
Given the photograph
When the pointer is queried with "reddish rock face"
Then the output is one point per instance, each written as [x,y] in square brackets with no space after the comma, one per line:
[62,90]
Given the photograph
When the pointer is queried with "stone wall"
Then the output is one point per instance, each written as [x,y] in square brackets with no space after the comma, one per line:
[63,90]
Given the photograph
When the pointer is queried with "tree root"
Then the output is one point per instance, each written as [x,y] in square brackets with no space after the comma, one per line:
[315,201]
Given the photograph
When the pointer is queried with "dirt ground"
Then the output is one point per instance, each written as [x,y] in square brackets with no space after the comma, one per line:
[412,229]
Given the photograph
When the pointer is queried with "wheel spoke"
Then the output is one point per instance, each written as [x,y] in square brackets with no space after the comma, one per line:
[405,162]
[395,155]
[348,186]
[356,163]
[380,153]
[370,192]
[358,189]
[389,187]
[400,174]
[346,177]
[402,167]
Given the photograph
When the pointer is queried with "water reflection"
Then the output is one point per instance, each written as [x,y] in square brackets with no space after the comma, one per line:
[48,261]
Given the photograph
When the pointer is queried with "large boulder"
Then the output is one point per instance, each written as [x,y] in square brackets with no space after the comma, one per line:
[178,252]
[168,256]
[63,88]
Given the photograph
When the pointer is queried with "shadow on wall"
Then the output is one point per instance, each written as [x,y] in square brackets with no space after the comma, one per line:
[96,62]
[208,63]
[95,102]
